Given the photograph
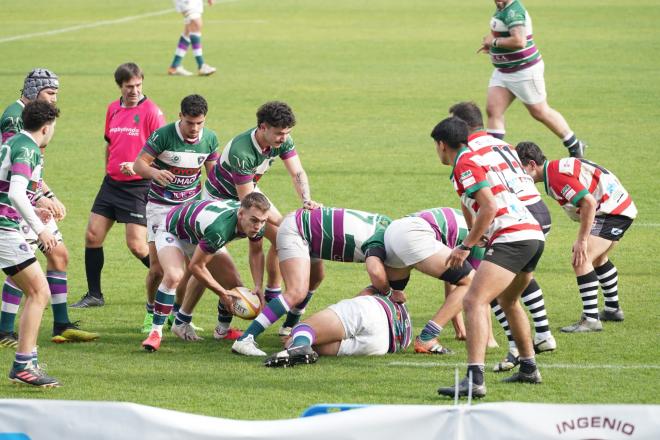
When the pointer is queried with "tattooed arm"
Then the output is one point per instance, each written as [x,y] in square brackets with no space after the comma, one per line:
[300,182]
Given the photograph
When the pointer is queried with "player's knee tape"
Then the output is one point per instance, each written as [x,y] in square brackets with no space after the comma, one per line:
[453,276]
[399,284]
[13,270]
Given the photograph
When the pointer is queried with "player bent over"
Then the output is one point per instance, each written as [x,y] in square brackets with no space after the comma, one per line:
[423,241]
[306,238]
[20,163]
[193,235]
[40,85]
[364,325]
[514,245]
[593,196]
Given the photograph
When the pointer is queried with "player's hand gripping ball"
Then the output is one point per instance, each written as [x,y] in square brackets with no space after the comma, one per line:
[247,304]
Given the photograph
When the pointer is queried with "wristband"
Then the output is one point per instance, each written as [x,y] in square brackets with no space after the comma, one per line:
[494,42]
[49,195]
[464,248]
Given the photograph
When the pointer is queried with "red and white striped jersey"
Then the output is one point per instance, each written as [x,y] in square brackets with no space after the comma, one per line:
[569,180]
[474,170]
[519,182]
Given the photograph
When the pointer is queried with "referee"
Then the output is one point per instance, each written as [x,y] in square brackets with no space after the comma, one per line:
[129,121]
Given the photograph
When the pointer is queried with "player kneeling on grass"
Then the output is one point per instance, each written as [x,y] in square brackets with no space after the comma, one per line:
[194,234]
[423,241]
[364,325]
[593,196]
[306,238]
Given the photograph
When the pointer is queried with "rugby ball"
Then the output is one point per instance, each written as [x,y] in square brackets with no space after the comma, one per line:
[247,305]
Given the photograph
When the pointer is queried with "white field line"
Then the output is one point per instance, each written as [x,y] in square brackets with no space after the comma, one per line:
[542,366]
[94,24]
[86,26]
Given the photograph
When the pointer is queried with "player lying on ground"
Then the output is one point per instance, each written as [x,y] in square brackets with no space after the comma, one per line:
[306,238]
[193,234]
[423,241]
[364,325]
[593,196]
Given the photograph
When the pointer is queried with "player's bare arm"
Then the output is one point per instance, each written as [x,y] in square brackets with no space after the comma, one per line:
[516,40]
[377,274]
[142,166]
[300,182]
[587,206]
[257,262]
[244,189]
[197,267]
[52,203]
[485,216]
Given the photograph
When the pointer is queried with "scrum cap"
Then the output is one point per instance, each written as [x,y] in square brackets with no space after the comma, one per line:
[37,80]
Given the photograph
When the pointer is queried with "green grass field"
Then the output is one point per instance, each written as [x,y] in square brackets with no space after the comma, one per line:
[368,80]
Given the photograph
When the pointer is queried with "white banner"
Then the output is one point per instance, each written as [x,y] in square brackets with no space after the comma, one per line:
[73,420]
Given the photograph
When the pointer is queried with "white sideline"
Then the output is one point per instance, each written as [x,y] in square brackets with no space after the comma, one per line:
[542,366]
[95,24]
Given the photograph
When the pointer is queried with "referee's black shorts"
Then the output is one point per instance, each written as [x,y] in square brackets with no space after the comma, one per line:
[123,202]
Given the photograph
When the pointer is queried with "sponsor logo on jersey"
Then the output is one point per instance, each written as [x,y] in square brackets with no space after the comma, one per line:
[169,239]
[567,192]
[178,171]
[136,119]
[616,231]
[130,131]
[467,179]
[23,247]
[176,158]
[200,159]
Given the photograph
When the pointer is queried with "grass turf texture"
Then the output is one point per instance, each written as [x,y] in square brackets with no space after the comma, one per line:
[367,81]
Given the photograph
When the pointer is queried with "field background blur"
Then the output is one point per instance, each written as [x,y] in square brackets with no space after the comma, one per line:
[367,80]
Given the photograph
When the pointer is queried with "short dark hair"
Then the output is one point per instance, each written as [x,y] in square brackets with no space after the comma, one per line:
[528,152]
[452,130]
[276,114]
[469,112]
[36,114]
[194,105]
[257,200]
[127,71]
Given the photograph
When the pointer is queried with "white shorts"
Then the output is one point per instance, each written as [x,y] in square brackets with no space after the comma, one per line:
[528,85]
[290,244]
[165,239]
[366,326]
[408,241]
[33,239]
[14,249]
[156,215]
[190,9]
